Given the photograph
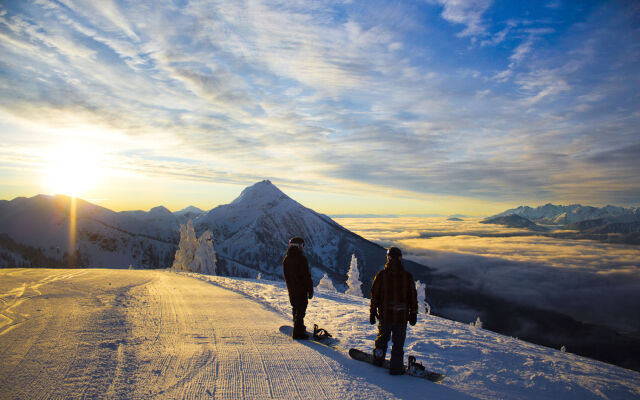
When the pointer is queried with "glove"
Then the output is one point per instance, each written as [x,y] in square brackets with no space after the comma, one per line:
[413,318]
[372,317]
[310,294]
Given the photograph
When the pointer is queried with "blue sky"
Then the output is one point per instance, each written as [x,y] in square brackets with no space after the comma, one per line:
[372,106]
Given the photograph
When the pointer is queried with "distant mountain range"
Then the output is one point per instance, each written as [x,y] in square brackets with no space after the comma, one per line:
[515,221]
[609,223]
[551,214]
[250,237]
[36,232]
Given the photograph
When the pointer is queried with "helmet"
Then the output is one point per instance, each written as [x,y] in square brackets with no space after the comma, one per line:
[394,252]
[296,242]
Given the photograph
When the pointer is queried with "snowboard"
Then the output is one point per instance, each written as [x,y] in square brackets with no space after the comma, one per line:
[413,368]
[320,337]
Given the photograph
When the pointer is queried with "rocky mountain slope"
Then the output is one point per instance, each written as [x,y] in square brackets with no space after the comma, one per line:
[609,224]
[250,235]
[515,221]
[255,228]
[551,214]
[74,232]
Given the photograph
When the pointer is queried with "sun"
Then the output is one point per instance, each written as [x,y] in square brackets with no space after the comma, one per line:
[72,170]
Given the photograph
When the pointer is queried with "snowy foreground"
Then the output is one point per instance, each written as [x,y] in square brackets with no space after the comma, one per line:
[478,363]
[128,334]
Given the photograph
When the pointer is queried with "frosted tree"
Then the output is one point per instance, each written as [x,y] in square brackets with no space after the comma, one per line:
[477,324]
[204,261]
[423,306]
[326,283]
[353,278]
[195,254]
[186,248]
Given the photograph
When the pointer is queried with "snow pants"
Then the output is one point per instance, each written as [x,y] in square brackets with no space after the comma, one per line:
[299,310]
[397,332]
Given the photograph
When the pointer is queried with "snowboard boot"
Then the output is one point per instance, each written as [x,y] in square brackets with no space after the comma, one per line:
[301,336]
[378,357]
[396,365]
[300,331]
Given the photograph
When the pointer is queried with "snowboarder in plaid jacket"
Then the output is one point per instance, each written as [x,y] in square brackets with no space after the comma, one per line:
[394,301]
[299,285]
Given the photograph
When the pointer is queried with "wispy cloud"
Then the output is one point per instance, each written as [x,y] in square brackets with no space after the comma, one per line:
[468,13]
[334,92]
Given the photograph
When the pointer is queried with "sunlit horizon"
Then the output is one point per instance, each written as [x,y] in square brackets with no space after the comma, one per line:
[330,204]
[520,265]
[438,107]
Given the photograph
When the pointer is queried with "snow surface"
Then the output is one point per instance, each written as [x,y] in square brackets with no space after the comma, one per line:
[139,334]
[478,363]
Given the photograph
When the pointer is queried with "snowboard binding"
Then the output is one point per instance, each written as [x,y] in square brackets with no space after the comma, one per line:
[415,368]
[320,334]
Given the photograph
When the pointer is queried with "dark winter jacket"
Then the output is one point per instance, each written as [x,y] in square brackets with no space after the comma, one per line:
[393,293]
[296,274]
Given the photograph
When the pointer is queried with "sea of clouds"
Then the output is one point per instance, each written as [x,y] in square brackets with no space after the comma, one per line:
[591,281]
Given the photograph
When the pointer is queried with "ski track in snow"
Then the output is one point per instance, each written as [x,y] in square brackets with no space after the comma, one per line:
[478,363]
[140,334]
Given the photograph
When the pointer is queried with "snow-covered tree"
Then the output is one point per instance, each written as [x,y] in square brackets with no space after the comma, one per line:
[423,306]
[326,283]
[195,254]
[353,278]
[204,261]
[186,248]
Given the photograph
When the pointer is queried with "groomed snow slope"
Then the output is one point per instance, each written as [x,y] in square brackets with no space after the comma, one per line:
[157,334]
[479,363]
[123,334]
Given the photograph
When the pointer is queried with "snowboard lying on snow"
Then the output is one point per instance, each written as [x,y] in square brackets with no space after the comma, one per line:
[319,335]
[413,368]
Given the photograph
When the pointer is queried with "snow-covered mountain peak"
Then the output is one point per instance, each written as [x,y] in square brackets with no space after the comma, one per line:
[559,214]
[190,210]
[253,231]
[261,193]
[160,211]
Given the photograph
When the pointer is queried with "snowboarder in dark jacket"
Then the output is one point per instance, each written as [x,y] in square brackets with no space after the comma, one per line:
[394,301]
[299,285]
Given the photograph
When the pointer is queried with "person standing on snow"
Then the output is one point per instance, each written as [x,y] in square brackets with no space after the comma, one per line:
[299,285]
[394,301]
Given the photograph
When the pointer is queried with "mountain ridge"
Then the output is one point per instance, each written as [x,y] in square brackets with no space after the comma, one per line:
[256,227]
[250,234]
[515,221]
[251,239]
[608,224]
[559,214]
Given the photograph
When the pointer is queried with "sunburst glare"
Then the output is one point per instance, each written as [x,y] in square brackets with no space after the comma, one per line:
[72,170]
